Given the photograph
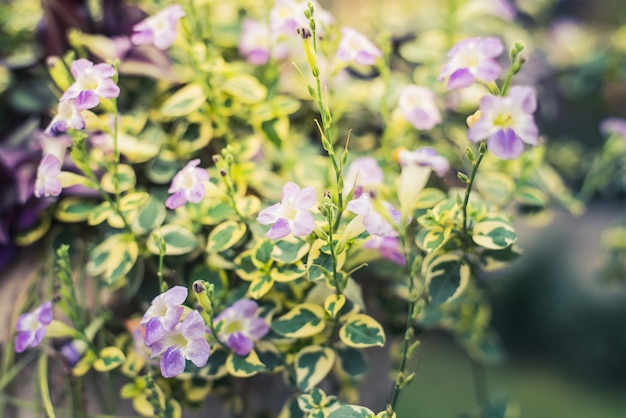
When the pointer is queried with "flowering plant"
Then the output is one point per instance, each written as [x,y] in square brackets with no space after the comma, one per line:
[259,197]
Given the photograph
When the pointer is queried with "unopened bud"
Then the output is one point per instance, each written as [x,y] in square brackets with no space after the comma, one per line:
[472,119]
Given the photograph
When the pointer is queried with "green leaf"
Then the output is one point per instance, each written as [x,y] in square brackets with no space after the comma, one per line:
[216,365]
[113,258]
[132,201]
[126,179]
[318,258]
[495,187]
[361,330]
[150,216]
[531,196]
[311,365]
[195,137]
[244,366]
[109,359]
[260,286]
[447,276]
[163,168]
[245,266]
[217,213]
[100,214]
[333,304]
[494,235]
[142,148]
[186,100]
[178,240]
[248,206]
[289,249]
[288,272]
[429,197]
[352,362]
[304,320]
[291,409]
[74,209]
[352,411]
[430,239]
[36,231]
[245,88]
[225,235]
[269,355]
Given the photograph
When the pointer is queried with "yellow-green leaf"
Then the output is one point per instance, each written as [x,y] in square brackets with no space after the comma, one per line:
[245,88]
[494,235]
[74,209]
[225,235]
[260,286]
[126,179]
[304,320]
[186,100]
[361,330]
[333,304]
[447,276]
[178,240]
[312,365]
[109,359]
[244,366]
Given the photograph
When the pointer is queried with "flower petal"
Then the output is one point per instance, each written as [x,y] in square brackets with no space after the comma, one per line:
[280,229]
[303,224]
[172,362]
[505,144]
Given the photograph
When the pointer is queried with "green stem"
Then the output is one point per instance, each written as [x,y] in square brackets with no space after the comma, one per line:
[480,383]
[413,300]
[482,149]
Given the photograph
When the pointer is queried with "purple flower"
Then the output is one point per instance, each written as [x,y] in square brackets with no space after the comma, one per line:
[158,30]
[288,15]
[416,168]
[47,182]
[164,313]
[364,175]
[240,326]
[389,247]
[92,82]
[613,126]
[292,214]
[257,45]
[472,59]
[373,222]
[417,104]
[187,341]
[68,116]
[506,122]
[500,8]
[31,327]
[355,47]
[187,185]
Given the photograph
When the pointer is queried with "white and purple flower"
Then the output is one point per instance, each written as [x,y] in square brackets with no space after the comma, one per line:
[256,43]
[416,168]
[370,220]
[292,214]
[240,326]
[67,117]
[164,313]
[613,126]
[354,47]
[472,59]
[47,182]
[158,30]
[31,327]
[389,247]
[288,15]
[187,185]
[506,122]
[92,82]
[364,175]
[417,105]
[186,341]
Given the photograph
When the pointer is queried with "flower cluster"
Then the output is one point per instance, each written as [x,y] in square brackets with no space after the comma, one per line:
[31,327]
[174,340]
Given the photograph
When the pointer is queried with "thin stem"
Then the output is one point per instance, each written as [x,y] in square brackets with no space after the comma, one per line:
[408,334]
[481,390]
[482,149]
